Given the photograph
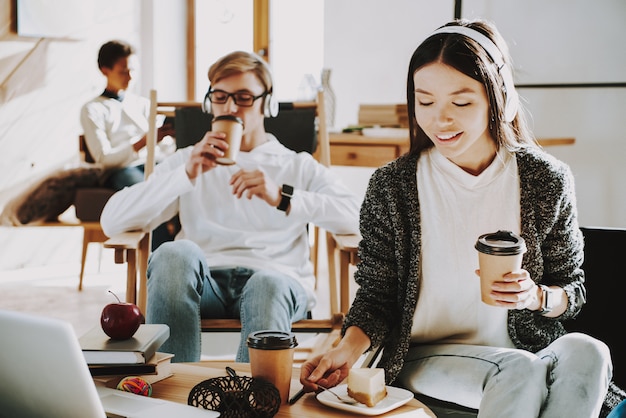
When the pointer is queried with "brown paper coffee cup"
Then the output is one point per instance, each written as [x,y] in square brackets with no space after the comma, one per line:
[232,126]
[499,253]
[271,358]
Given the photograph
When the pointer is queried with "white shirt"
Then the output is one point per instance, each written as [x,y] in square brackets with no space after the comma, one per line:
[112,127]
[241,232]
[456,208]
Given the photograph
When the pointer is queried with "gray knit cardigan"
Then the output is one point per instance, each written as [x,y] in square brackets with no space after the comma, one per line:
[389,272]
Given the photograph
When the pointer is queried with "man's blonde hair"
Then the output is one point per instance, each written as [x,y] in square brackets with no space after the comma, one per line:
[240,62]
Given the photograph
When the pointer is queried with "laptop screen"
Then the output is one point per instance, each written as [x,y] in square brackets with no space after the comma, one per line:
[44,373]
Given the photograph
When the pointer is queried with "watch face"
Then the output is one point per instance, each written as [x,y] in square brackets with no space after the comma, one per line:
[287,190]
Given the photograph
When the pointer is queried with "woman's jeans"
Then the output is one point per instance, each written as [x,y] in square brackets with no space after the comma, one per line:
[182,289]
[569,378]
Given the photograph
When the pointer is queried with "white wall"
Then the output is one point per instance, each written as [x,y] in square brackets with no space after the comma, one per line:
[43,87]
[368,44]
[163,51]
[585,47]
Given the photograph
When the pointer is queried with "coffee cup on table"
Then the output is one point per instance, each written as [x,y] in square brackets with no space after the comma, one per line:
[499,253]
[232,126]
[271,358]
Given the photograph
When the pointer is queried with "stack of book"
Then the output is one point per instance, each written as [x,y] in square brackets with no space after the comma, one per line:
[385,115]
[136,356]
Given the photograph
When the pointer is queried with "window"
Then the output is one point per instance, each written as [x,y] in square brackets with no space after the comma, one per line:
[296,39]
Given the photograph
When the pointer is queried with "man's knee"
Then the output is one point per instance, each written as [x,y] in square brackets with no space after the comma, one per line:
[269,284]
[174,264]
[179,253]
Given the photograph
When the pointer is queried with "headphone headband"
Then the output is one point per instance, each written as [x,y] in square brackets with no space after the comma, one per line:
[510,109]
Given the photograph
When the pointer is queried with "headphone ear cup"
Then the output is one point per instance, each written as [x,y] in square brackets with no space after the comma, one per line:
[206,104]
[270,106]
[512,98]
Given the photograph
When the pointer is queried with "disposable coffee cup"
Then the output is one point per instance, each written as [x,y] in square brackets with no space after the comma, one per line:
[271,358]
[499,253]
[232,126]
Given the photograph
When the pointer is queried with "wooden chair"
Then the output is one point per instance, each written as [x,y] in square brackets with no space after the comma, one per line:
[133,248]
[88,204]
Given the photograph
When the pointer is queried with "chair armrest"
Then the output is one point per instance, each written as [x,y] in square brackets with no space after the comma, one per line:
[347,242]
[124,242]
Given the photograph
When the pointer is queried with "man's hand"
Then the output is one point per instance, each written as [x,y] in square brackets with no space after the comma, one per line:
[204,153]
[255,183]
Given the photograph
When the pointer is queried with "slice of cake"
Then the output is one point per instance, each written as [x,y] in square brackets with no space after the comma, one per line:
[367,385]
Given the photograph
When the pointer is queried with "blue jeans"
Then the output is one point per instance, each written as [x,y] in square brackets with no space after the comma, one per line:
[569,378]
[182,289]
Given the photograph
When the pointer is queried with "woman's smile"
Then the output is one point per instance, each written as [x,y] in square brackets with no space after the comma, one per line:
[448,137]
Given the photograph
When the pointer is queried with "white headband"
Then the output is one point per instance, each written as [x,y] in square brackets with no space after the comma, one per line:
[510,107]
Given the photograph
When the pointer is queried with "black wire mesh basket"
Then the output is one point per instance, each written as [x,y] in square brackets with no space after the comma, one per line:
[236,396]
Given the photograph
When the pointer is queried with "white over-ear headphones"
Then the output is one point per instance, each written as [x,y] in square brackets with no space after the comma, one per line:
[512,99]
[270,105]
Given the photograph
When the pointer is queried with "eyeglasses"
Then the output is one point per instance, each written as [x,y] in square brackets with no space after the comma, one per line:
[240,98]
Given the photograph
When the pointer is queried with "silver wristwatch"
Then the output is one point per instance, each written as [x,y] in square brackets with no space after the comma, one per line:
[547,300]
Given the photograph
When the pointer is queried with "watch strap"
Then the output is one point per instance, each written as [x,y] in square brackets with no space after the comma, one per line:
[547,302]
[286,193]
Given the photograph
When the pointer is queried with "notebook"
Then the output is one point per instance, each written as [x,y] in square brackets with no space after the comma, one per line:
[44,374]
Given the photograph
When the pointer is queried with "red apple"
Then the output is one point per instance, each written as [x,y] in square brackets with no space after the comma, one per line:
[121,320]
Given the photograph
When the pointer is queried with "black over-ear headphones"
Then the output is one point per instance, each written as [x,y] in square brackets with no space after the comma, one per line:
[512,99]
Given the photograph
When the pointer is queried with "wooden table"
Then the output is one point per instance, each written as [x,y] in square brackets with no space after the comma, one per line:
[353,149]
[187,375]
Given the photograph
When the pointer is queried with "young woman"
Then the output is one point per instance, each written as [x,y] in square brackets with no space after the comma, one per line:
[473,168]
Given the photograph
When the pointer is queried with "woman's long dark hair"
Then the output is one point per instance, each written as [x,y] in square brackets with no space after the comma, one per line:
[467,56]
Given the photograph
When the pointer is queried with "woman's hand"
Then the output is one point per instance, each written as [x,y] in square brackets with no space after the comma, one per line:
[516,291]
[332,368]
[327,370]
[255,183]
[204,153]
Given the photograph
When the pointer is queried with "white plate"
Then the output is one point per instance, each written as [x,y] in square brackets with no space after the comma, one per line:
[395,398]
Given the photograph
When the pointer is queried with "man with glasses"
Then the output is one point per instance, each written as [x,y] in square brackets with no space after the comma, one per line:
[243,250]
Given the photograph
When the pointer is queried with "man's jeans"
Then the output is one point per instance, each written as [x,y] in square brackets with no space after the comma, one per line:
[182,289]
[569,378]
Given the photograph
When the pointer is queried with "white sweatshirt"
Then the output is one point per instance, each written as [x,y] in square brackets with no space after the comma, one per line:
[241,232]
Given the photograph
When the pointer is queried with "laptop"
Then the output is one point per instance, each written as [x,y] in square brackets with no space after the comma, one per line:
[43,374]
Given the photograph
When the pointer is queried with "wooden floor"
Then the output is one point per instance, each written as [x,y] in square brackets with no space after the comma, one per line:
[39,270]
